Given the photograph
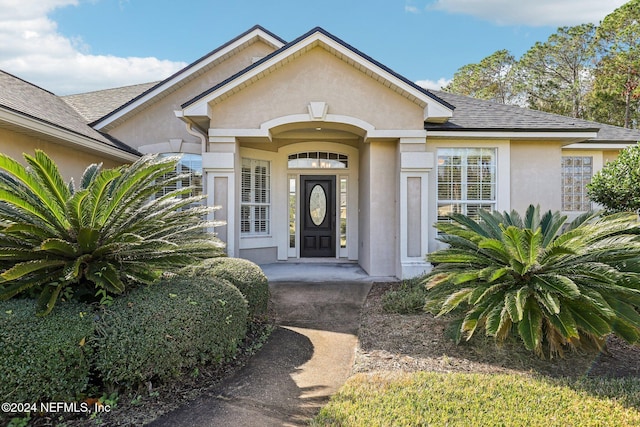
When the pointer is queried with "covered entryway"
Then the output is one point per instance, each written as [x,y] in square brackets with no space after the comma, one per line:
[318,210]
[316,151]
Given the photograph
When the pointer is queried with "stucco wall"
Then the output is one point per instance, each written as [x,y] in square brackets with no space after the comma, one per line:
[536,175]
[71,162]
[383,209]
[317,76]
[158,123]
[364,199]
[608,156]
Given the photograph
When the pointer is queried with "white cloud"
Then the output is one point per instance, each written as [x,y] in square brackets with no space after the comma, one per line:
[430,84]
[32,48]
[532,12]
[411,9]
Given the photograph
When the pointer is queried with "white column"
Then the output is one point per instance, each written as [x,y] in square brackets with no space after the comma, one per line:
[415,165]
[219,165]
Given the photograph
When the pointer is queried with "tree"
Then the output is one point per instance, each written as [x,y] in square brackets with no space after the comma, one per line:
[108,234]
[556,288]
[617,76]
[617,185]
[491,78]
[556,75]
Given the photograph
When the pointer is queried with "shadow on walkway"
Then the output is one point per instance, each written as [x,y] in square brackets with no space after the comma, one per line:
[307,358]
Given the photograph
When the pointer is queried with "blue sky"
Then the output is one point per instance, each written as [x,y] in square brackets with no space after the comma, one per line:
[71,46]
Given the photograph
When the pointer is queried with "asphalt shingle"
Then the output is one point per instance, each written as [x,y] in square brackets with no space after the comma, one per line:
[95,105]
[472,114]
[30,100]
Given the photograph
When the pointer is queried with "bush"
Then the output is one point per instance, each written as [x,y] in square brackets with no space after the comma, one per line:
[617,185]
[44,358]
[555,288]
[243,274]
[157,332]
[409,298]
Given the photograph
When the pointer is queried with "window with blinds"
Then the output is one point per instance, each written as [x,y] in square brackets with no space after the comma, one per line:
[576,174]
[255,206]
[190,168]
[467,181]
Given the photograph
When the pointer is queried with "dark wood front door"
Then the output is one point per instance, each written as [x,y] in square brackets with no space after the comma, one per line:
[318,208]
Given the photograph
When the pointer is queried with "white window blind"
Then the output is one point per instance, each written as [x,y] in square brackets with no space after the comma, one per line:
[255,205]
[190,167]
[467,181]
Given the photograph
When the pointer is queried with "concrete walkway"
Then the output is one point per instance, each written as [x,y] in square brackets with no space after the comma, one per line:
[307,358]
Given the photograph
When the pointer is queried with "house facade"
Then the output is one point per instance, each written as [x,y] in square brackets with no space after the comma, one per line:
[312,149]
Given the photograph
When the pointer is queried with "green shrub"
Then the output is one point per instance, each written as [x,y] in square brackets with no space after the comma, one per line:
[554,288]
[44,358]
[243,274]
[409,298]
[616,186]
[103,236]
[158,331]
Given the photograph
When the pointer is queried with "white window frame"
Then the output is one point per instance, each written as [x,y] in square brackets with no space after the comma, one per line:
[464,202]
[255,197]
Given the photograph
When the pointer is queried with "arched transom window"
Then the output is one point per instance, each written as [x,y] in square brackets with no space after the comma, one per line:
[318,160]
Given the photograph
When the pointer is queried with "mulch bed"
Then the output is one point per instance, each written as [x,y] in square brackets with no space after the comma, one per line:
[419,343]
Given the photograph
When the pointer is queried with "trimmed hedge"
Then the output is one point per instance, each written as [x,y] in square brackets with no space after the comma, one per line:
[243,274]
[156,332]
[44,358]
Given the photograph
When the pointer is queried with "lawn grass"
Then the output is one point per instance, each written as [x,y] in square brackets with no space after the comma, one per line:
[456,399]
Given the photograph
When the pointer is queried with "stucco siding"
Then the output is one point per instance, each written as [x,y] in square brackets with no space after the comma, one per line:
[157,123]
[364,201]
[316,76]
[536,175]
[609,156]
[383,207]
[71,162]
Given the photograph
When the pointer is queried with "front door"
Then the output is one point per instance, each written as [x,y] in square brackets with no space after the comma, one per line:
[318,208]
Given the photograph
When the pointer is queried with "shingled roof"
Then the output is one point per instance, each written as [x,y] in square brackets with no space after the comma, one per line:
[28,100]
[477,115]
[95,105]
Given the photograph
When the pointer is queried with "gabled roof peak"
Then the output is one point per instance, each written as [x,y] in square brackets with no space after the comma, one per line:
[166,84]
[318,34]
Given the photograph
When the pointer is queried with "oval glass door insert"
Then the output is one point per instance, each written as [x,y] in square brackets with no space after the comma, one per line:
[318,204]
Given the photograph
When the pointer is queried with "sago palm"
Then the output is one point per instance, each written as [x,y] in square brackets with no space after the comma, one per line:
[556,288]
[108,233]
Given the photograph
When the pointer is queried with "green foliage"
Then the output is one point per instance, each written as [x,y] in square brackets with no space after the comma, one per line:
[408,298]
[44,358]
[555,289]
[160,331]
[492,78]
[554,75]
[106,235]
[243,274]
[617,74]
[582,71]
[617,185]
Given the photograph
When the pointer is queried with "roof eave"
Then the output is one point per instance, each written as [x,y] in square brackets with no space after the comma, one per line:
[59,133]
[568,136]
